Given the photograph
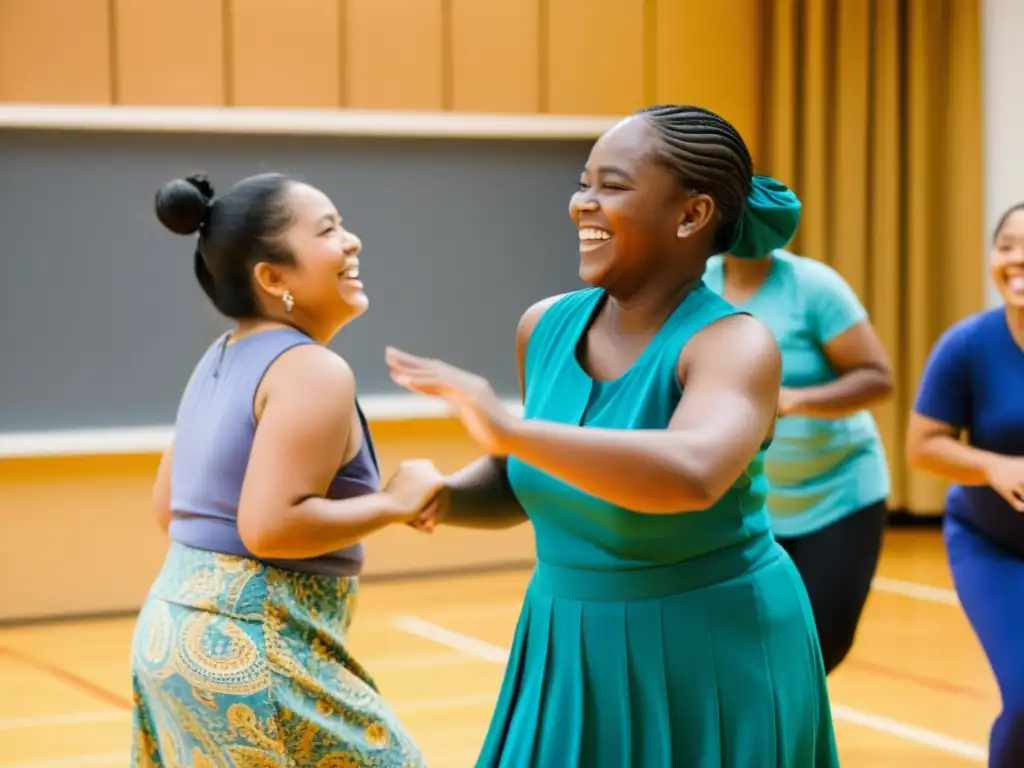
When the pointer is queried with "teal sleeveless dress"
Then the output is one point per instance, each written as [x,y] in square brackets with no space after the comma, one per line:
[652,641]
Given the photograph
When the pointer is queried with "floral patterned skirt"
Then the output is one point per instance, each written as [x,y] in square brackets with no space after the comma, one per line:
[237,663]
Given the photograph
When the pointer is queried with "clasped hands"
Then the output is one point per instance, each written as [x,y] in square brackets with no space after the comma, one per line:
[417,485]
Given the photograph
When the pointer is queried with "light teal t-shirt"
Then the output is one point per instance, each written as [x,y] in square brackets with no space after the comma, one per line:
[820,470]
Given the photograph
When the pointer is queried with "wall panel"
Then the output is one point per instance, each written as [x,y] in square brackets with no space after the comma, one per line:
[851,147]
[55,51]
[779,156]
[965,131]
[516,56]
[495,56]
[711,54]
[885,247]
[91,515]
[595,55]
[170,52]
[1001,117]
[285,53]
[817,28]
[395,54]
[423,207]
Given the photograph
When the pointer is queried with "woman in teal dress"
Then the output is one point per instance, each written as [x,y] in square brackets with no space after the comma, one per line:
[663,626]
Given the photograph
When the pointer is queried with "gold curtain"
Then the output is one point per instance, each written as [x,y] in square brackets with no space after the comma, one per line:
[872,114]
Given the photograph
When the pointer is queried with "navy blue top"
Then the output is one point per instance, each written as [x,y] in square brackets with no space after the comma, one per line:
[974,381]
[213,439]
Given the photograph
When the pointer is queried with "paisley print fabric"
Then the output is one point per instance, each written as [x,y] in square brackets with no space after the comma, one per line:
[238,664]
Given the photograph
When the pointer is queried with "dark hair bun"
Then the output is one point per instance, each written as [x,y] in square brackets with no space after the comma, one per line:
[182,204]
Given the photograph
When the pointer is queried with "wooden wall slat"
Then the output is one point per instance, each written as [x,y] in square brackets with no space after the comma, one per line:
[926,52]
[285,53]
[711,55]
[779,158]
[170,52]
[886,275]
[815,134]
[55,51]
[850,180]
[394,53]
[595,56]
[517,56]
[495,56]
[965,131]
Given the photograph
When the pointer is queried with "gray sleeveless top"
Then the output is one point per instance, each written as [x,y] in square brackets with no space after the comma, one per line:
[213,438]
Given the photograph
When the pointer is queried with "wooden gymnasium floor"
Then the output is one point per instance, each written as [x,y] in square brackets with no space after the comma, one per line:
[916,690]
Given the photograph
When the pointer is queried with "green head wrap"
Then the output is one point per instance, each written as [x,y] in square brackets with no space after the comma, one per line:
[771,218]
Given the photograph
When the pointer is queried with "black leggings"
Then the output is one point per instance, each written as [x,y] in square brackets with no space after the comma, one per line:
[837,564]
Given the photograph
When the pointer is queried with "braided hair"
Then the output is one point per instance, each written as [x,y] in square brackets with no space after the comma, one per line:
[707,155]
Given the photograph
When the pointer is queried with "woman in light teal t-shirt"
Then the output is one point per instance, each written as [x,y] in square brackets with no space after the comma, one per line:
[827,467]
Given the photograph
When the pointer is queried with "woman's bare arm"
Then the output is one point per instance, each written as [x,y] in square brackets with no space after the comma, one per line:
[303,430]
[936,447]
[726,412]
[864,380]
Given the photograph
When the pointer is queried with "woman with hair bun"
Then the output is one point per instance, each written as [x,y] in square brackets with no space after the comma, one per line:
[239,655]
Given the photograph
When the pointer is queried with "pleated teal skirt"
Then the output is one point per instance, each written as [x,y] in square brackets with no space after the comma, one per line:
[236,663]
[712,663]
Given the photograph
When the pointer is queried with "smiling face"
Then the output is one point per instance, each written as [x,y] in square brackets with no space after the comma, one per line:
[324,276]
[327,254]
[1006,259]
[634,219]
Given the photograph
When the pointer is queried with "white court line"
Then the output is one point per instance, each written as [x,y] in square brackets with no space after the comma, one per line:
[474,647]
[469,645]
[110,758]
[419,661]
[915,590]
[410,661]
[70,718]
[433,704]
[911,733]
[78,718]
[463,701]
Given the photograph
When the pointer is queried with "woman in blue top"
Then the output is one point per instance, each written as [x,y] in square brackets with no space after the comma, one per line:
[239,655]
[663,626]
[973,386]
[827,469]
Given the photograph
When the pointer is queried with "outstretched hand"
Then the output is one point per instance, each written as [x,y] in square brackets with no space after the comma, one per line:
[474,401]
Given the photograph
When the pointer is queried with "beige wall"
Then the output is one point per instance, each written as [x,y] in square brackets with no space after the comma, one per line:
[74,533]
[76,537]
[516,56]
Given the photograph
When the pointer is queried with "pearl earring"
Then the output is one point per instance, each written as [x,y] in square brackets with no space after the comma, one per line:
[288,299]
